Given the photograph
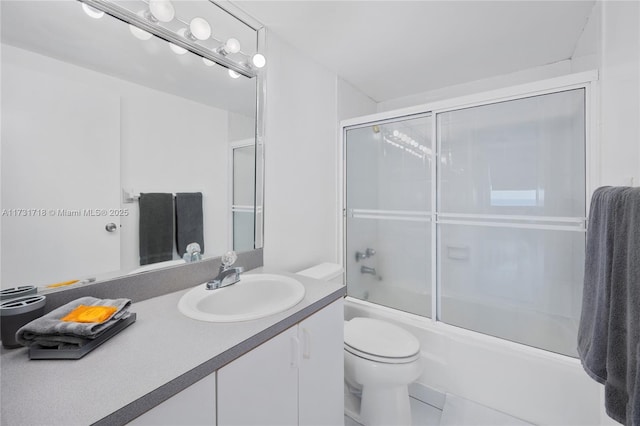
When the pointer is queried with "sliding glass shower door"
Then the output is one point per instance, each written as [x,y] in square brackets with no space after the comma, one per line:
[388,213]
[485,213]
[511,218]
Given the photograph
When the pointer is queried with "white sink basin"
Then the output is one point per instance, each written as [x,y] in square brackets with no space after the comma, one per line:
[255,296]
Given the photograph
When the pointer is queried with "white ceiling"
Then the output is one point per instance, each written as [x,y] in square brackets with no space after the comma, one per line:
[389,49]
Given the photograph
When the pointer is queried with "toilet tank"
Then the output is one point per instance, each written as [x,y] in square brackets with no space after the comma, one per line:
[324,272]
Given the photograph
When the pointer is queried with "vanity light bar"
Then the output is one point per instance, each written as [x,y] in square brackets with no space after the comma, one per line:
[132,18]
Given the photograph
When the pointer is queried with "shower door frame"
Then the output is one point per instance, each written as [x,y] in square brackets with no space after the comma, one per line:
[585,80]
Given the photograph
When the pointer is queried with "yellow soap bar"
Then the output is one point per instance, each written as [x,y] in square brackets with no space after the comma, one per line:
[84,313]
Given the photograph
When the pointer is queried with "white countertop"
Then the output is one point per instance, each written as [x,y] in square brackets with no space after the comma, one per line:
[157,356]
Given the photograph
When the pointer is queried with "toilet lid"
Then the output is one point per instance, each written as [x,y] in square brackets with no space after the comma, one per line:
[377,339]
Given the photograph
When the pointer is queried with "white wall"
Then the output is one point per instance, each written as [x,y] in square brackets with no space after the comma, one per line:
[620,93]
[585,54]
[352,102]
[304,102]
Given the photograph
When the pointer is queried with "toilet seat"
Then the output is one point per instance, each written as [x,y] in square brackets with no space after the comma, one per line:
[376,358]
[380,341]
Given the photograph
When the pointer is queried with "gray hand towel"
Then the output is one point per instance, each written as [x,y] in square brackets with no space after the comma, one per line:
[189,223]
[49,331]
[609,331]
[156,228]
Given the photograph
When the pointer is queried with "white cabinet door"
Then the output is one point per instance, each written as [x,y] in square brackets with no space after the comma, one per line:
[321,378]
[196,405]
[261,387]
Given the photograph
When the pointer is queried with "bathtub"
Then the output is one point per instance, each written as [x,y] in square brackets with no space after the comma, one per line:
[534,385]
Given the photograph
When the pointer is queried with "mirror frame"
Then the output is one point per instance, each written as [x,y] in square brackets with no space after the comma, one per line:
[261,97]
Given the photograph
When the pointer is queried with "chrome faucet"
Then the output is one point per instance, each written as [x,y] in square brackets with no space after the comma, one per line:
[227,275]
[367,270]
[370,271]
[225,278]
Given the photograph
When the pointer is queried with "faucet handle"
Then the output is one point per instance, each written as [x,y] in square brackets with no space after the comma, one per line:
[229,259]
[192,253]
[193,248]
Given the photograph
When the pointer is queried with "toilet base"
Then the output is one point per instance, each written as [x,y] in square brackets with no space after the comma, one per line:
[383,406]
[378,406]
[352,404]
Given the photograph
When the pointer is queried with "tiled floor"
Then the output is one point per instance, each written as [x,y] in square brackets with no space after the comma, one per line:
[422,415]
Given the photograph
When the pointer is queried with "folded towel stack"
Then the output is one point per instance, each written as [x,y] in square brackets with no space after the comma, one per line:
[72,325]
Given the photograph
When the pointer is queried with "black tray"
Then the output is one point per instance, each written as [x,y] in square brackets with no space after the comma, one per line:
[39,352]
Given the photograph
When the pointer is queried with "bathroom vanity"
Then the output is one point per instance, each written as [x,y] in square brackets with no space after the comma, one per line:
[169,369]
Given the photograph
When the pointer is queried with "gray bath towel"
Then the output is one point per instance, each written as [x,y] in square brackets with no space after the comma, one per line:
[156,228]
[49,331]
[189,224]
[609,332]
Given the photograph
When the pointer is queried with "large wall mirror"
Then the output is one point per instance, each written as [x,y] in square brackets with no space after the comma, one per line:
[96,112]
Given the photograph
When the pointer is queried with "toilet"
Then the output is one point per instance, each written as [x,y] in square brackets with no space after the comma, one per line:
[380,361]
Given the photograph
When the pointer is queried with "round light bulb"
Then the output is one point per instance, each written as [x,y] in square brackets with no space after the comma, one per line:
[232,45]
[92,11]
[137,32]
[396,133]
[162,10]
[200,28]
[233,74]
[258,60]
[177,49]
[208,62]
